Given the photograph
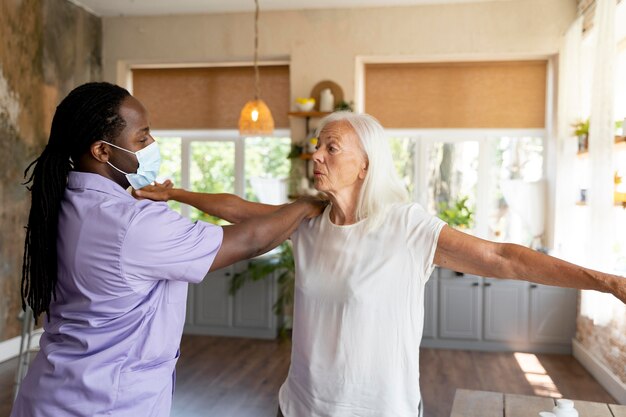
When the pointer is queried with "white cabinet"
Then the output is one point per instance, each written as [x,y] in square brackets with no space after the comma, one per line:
[430,307]
[460,312]
[211,310]
[211,304]
[506,310]
[470,312]
[253,305]
[551,309]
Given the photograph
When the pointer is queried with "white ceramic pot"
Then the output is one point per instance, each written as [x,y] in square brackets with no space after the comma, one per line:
[565,408]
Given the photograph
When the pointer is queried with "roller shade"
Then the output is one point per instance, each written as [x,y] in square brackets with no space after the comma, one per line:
[509,94]
[209,98]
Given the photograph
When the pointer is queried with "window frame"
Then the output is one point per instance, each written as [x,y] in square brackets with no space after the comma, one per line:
[187,137]
[423,138]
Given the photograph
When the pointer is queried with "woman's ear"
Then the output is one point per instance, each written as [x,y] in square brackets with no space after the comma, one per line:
[100,151]
[363,170]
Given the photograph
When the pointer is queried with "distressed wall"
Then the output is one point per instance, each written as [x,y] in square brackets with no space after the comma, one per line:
[602,332]
[47,47]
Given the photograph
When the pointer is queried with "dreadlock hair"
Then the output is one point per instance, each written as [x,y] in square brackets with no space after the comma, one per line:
[89,113]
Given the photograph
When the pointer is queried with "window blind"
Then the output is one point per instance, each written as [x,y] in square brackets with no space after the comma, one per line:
[209,98]
[510,94]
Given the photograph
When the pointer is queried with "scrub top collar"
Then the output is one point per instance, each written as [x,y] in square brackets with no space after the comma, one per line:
[89,181]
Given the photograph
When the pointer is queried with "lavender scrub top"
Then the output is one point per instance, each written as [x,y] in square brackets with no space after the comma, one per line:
[112,341]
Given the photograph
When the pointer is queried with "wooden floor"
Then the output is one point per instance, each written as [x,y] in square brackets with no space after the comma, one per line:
[228,377]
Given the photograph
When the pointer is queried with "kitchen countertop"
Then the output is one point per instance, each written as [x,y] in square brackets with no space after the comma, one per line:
[468,403]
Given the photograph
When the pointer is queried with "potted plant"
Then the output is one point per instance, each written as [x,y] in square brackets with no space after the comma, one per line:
[456,213]
[581,130]
[344,106]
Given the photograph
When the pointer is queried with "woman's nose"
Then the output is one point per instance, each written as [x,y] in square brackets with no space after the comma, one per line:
[317,155]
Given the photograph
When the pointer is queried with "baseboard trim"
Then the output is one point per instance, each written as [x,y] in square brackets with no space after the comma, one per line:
[486,346]
[604,375]
[10,348]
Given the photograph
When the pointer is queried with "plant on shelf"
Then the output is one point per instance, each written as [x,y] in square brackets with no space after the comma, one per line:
[262,268]
[456,213]
[581,130]
[344,106]
[296,151]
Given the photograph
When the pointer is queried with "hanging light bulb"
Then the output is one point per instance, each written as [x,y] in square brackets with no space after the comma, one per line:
[256,118]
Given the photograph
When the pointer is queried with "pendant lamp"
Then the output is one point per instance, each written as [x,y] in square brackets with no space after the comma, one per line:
[256,118]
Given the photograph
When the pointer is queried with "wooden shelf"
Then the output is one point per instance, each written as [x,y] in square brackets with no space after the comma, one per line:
[305,156]
[308,113]
[618,140]
[615,203]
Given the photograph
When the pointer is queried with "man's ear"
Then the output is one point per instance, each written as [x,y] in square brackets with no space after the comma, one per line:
[100,151]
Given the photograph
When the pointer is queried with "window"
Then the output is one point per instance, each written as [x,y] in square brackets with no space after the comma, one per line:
[447,169]
[463,134]
[220,161]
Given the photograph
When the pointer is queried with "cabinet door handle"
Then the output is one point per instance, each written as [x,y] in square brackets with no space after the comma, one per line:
[533,286]
[475,284]
[487,284]
[227,274]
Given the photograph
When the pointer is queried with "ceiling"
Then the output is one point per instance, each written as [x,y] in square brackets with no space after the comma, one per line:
[168,7]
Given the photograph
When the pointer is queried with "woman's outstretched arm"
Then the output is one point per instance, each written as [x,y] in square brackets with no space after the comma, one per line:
[465,253]
[225,206]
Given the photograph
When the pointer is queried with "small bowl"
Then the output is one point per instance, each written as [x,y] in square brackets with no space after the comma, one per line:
[306,106]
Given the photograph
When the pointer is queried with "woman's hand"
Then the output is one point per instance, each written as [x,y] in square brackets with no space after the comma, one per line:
[316,205]
[619,288]
[156,192]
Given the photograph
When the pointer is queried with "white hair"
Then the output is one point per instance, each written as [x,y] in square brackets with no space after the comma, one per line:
[382,186]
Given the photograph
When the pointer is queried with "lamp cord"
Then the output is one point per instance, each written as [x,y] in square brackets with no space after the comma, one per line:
[257,83]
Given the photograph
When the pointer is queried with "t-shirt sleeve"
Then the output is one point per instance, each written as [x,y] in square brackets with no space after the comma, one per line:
[422,235]
[160,244]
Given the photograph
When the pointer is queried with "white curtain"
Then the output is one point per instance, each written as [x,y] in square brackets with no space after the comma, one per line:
[569,109]
[601,139]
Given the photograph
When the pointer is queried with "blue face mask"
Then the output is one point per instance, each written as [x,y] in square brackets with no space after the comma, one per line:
[149,159]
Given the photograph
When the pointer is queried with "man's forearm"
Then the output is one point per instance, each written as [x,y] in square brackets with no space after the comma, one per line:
[225,206]
[273,229]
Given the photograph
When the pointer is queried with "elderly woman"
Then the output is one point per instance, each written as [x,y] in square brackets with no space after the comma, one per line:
[361,268]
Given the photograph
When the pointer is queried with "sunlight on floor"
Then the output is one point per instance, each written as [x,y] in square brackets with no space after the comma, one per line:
[536,375]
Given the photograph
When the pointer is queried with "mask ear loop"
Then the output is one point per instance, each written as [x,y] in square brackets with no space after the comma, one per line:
[117,169]
[118,147]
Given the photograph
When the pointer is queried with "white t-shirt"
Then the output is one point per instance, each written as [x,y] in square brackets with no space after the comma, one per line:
[358,315]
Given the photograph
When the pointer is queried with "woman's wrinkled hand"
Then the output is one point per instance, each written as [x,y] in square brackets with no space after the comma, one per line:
[157,192]
[315,205]
[619,289]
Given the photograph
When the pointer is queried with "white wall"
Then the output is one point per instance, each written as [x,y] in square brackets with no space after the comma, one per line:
[323,44]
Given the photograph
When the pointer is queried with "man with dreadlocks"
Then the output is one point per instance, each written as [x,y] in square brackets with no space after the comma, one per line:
[110,271]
